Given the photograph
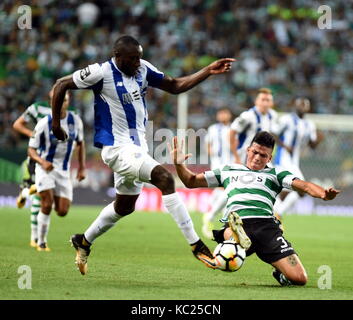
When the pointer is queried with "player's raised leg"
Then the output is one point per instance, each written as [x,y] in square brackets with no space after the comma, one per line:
[163,180]
[290,270]
[62,205]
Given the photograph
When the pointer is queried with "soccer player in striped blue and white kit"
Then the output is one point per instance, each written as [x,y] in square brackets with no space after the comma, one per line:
[24,124]
[218,148]
[260,117]
[294,133]
[52,172]
[252,189]
[120,86]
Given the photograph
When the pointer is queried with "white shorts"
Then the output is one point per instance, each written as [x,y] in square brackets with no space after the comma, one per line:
[57,180]
[132,166]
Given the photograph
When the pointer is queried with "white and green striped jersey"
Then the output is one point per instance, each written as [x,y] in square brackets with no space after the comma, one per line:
[251,193]
[39,110]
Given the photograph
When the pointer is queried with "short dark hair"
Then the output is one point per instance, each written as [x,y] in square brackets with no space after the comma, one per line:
[124,40]
[264,138]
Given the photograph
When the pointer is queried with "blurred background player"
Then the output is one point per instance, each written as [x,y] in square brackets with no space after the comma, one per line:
[251,190]
[294,133]
[23,124]
[260,117]
[120,85]
[218,148]
[52,171]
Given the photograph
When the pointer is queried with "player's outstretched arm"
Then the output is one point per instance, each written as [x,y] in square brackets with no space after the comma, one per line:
[314,190]
[20,125]
[59,91]
[234,142]
[182,84]
[189,178]
[81,153]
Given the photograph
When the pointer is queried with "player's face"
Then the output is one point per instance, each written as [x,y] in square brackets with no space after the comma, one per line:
[264,101]
[258,156]
[128,60]
[303,106]
[224,116]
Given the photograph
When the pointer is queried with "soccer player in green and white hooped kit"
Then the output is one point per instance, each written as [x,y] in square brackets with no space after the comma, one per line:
[251,190]
[35,112]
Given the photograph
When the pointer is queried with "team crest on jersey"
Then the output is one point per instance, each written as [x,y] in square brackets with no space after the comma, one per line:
[84,73]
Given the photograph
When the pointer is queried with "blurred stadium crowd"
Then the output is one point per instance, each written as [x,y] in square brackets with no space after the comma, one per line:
[278,46]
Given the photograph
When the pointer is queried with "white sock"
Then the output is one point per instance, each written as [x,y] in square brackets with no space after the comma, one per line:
[180,214]
[277,205]
[105,220]
[43,227]
[288,202]
[219,200]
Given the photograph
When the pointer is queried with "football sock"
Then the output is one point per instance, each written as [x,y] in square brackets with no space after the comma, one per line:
[178,211]
[287,203]
[105,220]
[35,207]
[43,227]
[219,200]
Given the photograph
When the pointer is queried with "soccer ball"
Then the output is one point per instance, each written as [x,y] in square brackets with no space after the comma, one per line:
[229,256]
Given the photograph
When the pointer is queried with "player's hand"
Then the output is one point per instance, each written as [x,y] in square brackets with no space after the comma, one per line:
[47,166]
[289,149]
[330,194]
[81,174]
[237,159]
[176,152]
[59,133]
[221,66]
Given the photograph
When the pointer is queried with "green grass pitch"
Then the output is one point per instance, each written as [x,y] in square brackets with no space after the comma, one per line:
[146,257]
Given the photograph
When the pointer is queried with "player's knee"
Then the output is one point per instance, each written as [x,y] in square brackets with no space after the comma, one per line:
[163,180]
[46,206]
[124,210]
[62,213]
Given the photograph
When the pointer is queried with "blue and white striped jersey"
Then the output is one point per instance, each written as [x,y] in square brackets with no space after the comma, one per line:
[249,123]
[119,106]
[218,138]
[294,132]
[49,148]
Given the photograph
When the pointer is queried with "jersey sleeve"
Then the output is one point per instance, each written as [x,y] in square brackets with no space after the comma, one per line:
[34,141]
[241,122]
[312,132]
[88,77]
[79,137]
[281,126]
[30,113]
[213,178]
[285,179]
[153,76]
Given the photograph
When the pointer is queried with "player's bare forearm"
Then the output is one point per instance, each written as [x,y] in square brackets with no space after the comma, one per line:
[190,179]
[81,152]
[46,165]
[314,190]
[234,142]
[20,126]
[182,84]
[59,91]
